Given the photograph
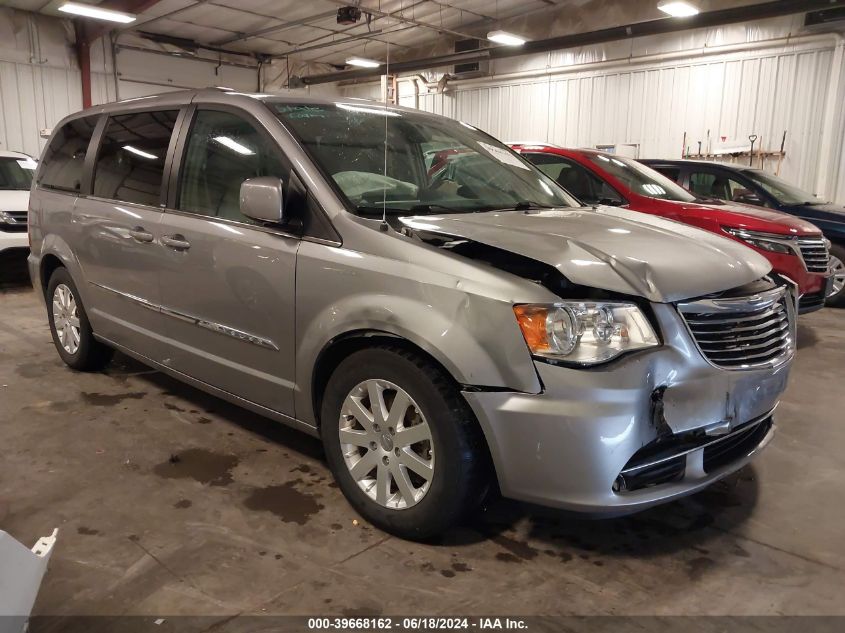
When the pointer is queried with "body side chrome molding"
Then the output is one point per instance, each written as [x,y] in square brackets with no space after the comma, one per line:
[220,328]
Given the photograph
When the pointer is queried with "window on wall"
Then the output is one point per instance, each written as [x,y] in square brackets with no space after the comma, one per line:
[130,164]
[223,151]
[64,159]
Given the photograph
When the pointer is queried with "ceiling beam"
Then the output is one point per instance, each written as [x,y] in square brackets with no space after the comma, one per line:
[91,31]
[746,13]
[396,15]
[275,29]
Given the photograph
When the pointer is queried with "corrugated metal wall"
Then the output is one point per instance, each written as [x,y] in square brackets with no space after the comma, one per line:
[764,92]
[33,98]
[40,82]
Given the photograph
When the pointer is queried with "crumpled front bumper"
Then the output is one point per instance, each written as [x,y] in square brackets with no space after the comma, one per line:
[566,446]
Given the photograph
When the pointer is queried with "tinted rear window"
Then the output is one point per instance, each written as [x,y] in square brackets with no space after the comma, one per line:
[15,173]
[64,159]
[130,163]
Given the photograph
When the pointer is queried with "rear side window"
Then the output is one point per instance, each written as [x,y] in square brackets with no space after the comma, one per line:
[223,151]
[64,159]
[576,179]
[130,164]
[672,173]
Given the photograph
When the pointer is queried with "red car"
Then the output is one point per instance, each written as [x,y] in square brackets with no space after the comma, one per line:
[599,178]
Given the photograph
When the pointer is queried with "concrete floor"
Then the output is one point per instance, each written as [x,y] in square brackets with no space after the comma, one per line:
[248,520]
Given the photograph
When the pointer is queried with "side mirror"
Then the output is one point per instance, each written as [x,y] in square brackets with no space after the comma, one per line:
[746,196]
[262,199]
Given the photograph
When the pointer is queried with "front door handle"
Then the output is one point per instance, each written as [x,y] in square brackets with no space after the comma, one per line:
[177,242]
[140,235]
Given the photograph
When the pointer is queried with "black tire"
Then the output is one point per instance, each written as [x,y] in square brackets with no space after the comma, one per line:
[837,300]
[90,355]
[461,472]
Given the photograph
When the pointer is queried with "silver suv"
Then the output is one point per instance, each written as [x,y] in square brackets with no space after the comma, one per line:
[407,288]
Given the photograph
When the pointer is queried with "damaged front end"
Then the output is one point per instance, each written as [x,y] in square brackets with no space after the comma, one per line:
[651,425]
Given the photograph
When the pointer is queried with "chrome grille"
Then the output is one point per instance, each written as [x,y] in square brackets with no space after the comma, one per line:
[13,221]
[18,217]
[744,332]
[814,252]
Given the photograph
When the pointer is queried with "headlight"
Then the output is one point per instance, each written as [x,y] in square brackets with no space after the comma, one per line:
[763,241]
[5,218]
[584,332]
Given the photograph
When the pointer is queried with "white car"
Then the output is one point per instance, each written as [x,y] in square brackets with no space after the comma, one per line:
[16,170]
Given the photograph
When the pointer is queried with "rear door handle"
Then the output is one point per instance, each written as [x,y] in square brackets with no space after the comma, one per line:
[140,235]
[177,242]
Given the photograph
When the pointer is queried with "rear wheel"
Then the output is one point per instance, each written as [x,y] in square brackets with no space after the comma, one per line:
[69,325]
[404,448]
[836,297]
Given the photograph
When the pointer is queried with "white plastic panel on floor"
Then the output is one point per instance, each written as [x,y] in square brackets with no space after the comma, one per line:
[21,571]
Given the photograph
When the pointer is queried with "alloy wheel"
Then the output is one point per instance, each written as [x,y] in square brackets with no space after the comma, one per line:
[386,444]
[66,318]
[837,267]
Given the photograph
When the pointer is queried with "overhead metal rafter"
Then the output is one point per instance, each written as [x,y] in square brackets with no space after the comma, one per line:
[661,26]
[395,15]
[279,27]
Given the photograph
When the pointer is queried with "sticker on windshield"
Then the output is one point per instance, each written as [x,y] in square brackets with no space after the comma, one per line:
[503,156]
[28,163]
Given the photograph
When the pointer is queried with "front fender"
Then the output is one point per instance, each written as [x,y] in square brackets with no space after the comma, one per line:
[476,338]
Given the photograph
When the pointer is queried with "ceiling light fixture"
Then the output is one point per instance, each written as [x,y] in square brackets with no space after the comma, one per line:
[678,8]
[88,11]
[363,62]
[508,39]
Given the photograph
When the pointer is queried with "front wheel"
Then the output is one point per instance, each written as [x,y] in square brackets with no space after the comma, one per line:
[836,296]
[403,446]
[69,325]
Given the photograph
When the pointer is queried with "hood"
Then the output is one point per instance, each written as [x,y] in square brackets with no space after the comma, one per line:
[828,211]
[15,200]
[753,218]
[612,249]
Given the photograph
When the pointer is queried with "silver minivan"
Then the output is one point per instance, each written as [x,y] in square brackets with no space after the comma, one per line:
[405,287]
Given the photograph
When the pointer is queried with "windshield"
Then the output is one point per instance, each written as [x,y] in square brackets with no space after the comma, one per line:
[16,173]
[399,162]
[641,179]
[781,190]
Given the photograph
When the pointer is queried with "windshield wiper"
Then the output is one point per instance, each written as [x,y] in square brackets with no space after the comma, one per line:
[529,205]
[378,211]
[428,207]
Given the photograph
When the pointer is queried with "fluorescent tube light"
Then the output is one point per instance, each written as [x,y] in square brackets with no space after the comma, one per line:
[678,8]
[508,39]
[234,145]
[363,62]
[139,152]
[89,11]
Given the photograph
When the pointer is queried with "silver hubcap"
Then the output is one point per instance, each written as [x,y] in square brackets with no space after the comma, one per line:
[66,318]
[837,267]
[386,444]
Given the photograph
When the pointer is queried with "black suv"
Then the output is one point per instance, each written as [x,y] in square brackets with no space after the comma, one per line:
[747,185]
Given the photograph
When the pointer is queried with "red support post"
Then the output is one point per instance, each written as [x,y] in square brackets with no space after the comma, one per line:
[87,32]
[83,56]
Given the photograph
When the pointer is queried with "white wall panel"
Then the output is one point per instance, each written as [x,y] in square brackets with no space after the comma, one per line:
[33,98]
[762,91]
